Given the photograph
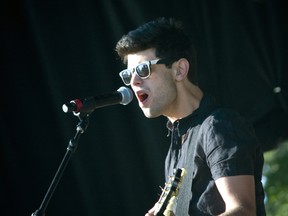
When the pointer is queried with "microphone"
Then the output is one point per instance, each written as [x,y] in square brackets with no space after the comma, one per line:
[122,96]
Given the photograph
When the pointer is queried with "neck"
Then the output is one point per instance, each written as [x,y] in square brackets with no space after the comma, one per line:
[188,99]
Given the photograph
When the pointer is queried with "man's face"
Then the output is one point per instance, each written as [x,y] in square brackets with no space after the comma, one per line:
[156,94]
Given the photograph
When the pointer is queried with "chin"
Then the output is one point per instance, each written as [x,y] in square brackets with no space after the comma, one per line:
[150,114]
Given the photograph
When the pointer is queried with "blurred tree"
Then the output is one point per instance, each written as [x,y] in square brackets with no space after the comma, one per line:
[275,180]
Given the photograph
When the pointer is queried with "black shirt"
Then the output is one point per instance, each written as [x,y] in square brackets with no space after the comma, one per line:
[226,145]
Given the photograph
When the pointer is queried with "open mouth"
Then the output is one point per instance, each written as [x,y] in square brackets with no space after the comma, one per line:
[142,97]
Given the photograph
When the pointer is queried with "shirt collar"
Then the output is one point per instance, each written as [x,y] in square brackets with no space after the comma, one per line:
[182,125]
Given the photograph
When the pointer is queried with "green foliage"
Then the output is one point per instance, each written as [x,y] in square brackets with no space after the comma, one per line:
[275,175]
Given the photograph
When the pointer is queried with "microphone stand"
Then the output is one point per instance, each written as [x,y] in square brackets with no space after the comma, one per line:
[73,143]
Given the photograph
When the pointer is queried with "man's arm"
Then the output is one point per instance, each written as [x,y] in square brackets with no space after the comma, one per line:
[238,193]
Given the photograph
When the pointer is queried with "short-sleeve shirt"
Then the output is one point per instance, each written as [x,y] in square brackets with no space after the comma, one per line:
[226,145]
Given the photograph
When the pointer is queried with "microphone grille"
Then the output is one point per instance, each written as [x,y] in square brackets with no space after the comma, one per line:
[127,95]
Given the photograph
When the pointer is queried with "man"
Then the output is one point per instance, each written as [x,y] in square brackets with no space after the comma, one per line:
[218,148]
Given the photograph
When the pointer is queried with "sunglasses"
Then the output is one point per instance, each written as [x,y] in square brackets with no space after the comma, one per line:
[143,70]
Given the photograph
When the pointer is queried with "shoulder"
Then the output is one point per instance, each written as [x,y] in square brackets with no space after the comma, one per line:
[226,128]
[228,143]
[223,119]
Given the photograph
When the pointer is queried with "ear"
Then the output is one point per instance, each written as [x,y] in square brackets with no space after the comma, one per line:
[182,69]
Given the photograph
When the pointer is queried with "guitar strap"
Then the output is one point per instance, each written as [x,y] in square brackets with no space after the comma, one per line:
[185,191]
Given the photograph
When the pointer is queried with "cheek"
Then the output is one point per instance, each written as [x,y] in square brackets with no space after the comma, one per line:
[162,85]
[165,91]
[163,77]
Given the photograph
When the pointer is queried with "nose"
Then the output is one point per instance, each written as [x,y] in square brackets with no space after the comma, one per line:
[136,80]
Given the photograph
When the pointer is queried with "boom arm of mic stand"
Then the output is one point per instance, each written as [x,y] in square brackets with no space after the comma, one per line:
[73,143]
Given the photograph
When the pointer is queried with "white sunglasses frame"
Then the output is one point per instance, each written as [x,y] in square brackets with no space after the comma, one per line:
[133,70]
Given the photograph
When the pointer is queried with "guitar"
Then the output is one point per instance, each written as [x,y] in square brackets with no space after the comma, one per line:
[166,202]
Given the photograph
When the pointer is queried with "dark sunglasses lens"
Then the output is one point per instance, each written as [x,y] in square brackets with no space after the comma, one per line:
[143,70]
[126,76]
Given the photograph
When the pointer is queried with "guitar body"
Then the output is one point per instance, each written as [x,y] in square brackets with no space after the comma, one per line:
[167,200]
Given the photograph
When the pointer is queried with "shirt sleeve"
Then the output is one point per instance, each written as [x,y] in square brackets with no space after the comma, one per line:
[229,144]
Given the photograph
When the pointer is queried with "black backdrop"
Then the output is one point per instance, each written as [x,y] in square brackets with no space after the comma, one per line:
[59,50]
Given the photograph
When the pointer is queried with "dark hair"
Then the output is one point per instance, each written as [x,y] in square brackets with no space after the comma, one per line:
[169,39]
